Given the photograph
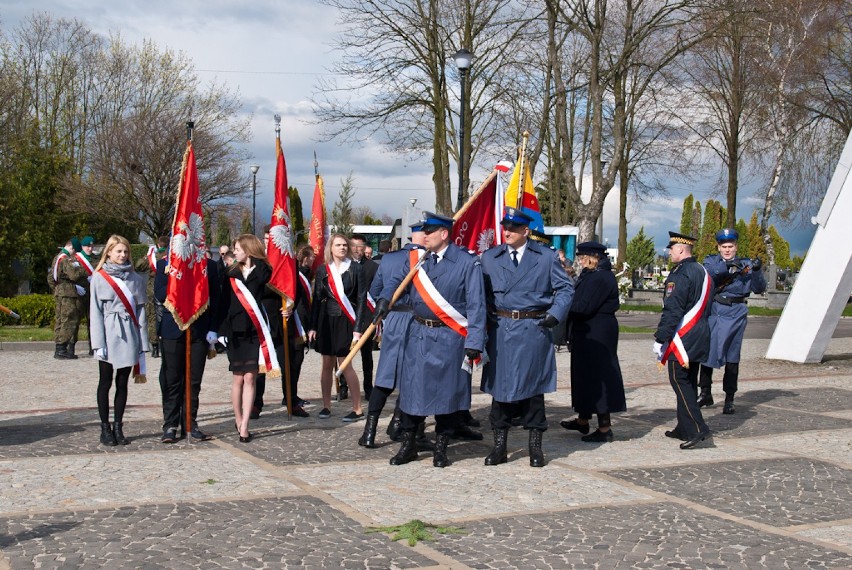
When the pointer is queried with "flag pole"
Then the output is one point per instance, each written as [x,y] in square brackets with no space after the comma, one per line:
[187,426]
[475,195]
[287,381]
[522,187]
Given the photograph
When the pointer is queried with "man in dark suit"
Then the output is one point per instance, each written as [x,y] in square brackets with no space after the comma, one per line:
[528,293]
[358,245]
[173,351]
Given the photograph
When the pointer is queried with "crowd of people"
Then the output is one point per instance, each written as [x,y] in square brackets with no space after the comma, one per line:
[443,313]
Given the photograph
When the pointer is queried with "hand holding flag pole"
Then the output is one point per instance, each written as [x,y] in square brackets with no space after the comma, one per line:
[10,312]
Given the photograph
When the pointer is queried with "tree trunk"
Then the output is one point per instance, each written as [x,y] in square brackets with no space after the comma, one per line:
[622,215]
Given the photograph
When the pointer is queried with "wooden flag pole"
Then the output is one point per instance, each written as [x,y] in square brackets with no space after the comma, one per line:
[475,195]
[287,360]
[187,427]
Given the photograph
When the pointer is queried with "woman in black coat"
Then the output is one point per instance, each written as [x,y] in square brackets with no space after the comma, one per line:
[596,383]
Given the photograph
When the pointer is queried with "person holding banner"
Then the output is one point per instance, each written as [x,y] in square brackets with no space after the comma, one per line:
[339,315]
[528,293]
[682,339]
[244,327]
[445,339]
[119,335]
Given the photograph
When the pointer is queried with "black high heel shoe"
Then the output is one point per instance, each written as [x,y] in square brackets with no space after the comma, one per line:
[246,439]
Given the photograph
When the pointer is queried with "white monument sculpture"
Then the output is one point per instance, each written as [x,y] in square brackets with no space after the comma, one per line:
[825,281]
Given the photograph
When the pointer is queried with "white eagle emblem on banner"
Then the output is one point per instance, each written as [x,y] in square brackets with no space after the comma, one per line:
[280,234]
[189,245]
[485,240]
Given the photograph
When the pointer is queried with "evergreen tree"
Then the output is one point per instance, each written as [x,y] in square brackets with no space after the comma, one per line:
[696,221]
[782,249]
[297,218]
[707,238]
[640,250]
[245,225]
[686,215]
[756,247]
[222,229]
[797,262]
[341,215]
[743,242]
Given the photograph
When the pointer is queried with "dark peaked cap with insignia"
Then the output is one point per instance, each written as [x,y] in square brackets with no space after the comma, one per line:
[675,238]
[727,234]
[432,221]
[515,217]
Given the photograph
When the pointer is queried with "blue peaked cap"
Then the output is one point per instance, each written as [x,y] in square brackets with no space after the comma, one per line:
[416,227]
[727,234]
[435,220]
[516,217]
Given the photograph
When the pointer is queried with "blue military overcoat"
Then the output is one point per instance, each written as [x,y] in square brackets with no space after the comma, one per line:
[395,324]
[522,361]
[432,381]
[728,319]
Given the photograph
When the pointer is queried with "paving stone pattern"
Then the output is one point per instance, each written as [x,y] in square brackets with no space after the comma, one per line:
[773,489]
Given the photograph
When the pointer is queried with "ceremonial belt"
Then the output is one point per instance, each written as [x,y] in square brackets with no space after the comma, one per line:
[429,323]
[517,315]
[729,300]
[400,308]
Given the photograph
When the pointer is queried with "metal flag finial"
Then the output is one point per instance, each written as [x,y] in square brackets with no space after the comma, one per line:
[190,125]
[316,164]
[277,126]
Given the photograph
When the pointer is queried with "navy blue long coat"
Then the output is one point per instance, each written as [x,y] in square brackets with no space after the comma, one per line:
[433,381]
[596,382]
[522,361]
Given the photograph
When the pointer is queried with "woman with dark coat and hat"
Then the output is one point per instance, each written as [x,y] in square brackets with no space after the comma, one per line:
[596,383]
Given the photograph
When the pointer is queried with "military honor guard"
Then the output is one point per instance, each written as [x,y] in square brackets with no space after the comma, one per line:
[683,336]
[734,279]
[68,279]
[445,339]
[527,293]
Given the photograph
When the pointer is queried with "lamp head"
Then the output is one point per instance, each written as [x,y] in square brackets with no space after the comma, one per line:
[463,59]
[254,168]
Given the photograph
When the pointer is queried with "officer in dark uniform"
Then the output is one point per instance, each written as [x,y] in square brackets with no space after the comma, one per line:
[528,293]
[447,331]
[734,279]
[683,336]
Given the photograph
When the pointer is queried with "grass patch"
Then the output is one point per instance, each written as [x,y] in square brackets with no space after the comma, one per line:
[641,330]
[642,308]
[414,531]
[21,333]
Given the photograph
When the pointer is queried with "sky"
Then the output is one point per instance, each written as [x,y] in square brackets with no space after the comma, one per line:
[274,52]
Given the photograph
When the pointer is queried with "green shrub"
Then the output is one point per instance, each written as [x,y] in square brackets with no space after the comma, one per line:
[35,310]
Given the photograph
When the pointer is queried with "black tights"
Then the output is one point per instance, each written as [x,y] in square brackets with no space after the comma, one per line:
[122,375]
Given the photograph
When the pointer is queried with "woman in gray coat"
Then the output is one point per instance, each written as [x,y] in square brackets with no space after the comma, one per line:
[117,308]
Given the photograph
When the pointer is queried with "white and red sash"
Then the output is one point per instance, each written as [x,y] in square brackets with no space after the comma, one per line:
[335,283]
[435,301]
[306,286]
[152,258]
[371,303]
[62,255]
[85,263]
[688,321]
[129,301]
[268,360]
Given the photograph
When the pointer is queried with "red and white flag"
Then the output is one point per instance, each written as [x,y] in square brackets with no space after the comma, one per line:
[187,294]
[478,226]
[279,248]
[318,233]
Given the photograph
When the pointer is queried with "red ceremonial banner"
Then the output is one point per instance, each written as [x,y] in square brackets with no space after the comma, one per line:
[317,234]
[279,248]
[477,228]
[188,294]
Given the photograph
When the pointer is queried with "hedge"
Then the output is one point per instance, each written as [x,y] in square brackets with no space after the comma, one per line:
[35,310]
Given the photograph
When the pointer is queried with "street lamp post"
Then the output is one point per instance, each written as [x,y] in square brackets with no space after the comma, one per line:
[463,59]
[254,169]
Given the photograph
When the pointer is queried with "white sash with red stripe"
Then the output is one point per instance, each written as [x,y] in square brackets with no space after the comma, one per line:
[267,359]
[436,302]
[688,321]
[85,263]
[371,303]
[129,301]
[152,258]
[306,286]
[56,263]
[335,283]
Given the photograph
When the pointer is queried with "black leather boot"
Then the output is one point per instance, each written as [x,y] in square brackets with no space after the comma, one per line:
[422,441]
[536,454]
[69,349]
[705,398]
[155,350]
[407,451]
[368,438]
[118,433]
[729,404]
[440,459]
[394,427]
[498,454]
[61,352]
[107,437]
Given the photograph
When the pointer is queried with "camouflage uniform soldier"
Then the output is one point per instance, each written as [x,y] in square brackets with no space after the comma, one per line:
[89,261]
[68,279]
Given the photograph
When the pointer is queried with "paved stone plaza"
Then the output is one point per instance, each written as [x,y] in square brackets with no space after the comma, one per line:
[771,491]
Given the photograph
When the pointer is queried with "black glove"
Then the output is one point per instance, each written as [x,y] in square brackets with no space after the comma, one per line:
[472,354]
[382,309]
[756,264]
[548,322]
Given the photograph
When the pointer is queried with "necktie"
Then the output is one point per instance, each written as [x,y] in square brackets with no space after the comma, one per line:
[515,258]
[434,259]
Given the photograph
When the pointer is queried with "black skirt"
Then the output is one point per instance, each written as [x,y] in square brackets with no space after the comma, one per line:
[334,335]
[244,352]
